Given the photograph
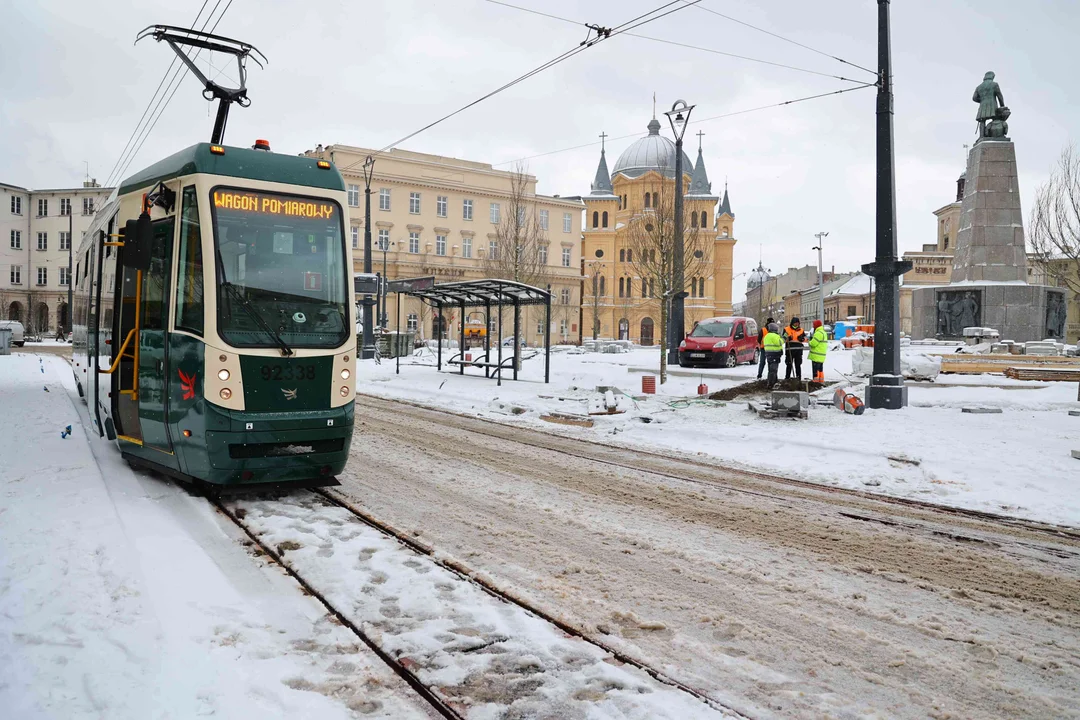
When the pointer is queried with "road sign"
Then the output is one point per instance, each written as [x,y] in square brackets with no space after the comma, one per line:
[366,283]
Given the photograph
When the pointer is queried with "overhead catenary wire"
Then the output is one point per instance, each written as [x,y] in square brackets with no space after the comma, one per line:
[174,87]
[150,102]
[780,37]
[685,45]
[693,122]
[601,35]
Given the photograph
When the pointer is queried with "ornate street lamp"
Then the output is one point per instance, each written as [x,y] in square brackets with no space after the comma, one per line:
[679,117]
[368,350]
[820,283]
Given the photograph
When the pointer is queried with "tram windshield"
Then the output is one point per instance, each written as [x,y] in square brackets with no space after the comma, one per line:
[282,271]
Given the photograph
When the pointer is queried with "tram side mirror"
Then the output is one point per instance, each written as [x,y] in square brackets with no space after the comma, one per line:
[138,234]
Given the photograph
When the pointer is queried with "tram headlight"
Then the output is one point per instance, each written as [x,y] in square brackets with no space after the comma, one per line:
[345,373]
[225,393]
[344,391]
[223,375]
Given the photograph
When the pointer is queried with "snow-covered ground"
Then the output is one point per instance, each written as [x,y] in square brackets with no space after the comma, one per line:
[1015,463]
[121,596]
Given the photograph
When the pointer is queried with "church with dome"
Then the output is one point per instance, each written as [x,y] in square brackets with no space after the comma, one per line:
[618,303]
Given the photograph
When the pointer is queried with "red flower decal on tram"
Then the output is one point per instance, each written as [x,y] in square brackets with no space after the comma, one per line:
[187,384]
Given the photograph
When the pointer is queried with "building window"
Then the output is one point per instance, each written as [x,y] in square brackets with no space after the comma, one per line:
[629,287]
[466,209]
[440,206]
[42,276]
[542,252]
[851,310]
[603,286]
[42,241]
[384,239]
[440,244]
[622,286]
[567,220]
[622,255]
[566,257]
[521,215]
[65,239]
[655,201]
[562,326]
[414,242]
[42,207]
[466,247]
[494,213]
[65,206]
[354,196]
[595,219]
[648,200]
[412,323]
[493,250]
[64,276]
[88,206]
[693,219]
[16,240]
[604,221]
[543,219]
[946,243]
[565,296]
[16,205]
[16,274]
[384,199]
[725,231]
[704,219]
[414,203]
[540,327]
[630,255]
[356,237]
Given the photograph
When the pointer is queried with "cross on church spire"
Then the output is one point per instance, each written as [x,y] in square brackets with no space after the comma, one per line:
[603,136]
[654,105]
[701,134]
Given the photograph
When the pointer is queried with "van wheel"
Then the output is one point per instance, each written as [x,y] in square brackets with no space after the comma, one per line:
[732,360]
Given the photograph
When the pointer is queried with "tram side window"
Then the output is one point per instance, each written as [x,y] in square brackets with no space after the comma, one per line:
[189,283]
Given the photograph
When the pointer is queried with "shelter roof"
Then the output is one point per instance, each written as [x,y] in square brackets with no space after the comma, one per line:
[493,291]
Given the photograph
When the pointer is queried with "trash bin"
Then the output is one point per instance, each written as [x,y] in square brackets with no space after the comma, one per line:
[5,341]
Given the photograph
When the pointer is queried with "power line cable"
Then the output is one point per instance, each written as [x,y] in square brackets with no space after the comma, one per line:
[601,35]
[135,131]
[174,88]
[694,122]
[781,37]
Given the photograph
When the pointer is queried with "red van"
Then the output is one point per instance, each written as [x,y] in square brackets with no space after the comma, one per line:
[720,341]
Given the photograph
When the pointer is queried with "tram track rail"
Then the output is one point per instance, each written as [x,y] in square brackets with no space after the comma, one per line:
[734,479]
[458,569]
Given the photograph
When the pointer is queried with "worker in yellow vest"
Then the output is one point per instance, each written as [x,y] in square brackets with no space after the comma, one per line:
[819,345]
[773,345]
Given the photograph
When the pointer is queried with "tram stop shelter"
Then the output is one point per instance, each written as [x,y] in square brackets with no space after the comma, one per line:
[487,294]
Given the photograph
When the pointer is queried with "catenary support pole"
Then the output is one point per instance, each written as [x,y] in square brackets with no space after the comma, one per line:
[676,323]
[886,389]
[461,341]
[397,312]
[438,335]
[547,339]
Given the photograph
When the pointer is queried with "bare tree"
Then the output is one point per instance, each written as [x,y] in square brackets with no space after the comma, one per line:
[518,236]
[650,251]
[1055,224]
[597,291]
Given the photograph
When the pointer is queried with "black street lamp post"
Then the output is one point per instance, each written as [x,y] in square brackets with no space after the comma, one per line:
[679,117]
[71,257]
[385,247]
[368,350]
[886,389]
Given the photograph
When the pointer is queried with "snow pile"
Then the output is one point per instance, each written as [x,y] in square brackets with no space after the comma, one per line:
[914,365]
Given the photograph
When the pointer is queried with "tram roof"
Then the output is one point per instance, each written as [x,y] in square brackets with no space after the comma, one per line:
[240,163]
[483,292]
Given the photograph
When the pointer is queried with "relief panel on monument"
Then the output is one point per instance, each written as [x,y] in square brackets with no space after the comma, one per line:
[1056,312]
[956,310]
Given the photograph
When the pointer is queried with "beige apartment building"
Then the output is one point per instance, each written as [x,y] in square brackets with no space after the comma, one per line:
[36,228]
[441,216]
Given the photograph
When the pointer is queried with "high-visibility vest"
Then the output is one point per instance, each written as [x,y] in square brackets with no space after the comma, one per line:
[819,345]
[773,342]
[796,336]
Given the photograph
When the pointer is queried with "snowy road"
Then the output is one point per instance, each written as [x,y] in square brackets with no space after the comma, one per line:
[777,599]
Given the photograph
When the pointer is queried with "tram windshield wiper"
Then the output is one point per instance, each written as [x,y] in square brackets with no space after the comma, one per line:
[286,351]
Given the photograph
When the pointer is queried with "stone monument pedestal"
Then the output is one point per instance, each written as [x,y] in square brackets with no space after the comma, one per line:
[989,279]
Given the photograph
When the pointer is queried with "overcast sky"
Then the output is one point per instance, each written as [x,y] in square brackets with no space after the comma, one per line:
[366,73]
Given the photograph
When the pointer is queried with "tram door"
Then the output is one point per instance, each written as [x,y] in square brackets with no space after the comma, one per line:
[140,381]
[153,319]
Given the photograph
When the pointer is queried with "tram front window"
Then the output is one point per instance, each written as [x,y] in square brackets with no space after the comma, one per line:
[282,273]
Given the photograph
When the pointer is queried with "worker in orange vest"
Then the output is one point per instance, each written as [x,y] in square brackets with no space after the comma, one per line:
[761,333]
[794,337]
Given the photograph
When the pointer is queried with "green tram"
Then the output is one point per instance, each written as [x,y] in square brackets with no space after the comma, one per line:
[214,323]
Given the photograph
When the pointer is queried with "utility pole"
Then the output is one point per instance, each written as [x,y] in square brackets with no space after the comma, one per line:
[368,350]
[679,116]
[886,389]
[820,281]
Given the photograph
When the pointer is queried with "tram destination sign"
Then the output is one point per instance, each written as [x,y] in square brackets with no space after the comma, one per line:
[272,204]
[410,284]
